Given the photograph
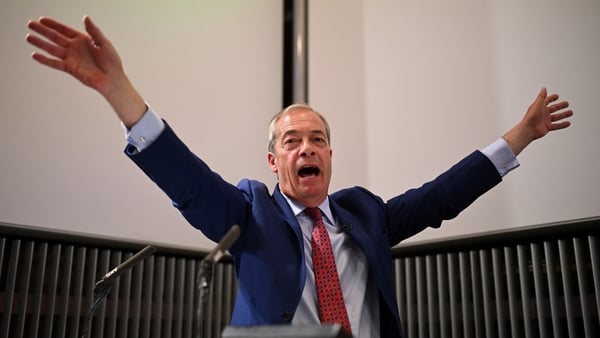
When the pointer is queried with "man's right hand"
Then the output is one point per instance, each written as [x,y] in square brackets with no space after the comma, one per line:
[90,58]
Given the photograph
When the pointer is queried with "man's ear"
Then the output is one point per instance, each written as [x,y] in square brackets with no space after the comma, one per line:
[272,162]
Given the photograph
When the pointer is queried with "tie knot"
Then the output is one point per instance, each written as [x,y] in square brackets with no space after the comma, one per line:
[313,213]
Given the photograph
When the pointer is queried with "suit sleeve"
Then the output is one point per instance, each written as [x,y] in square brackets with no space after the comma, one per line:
[208,202]
[442,198]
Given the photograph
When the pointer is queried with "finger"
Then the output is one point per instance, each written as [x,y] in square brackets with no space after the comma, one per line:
[561,116]
[97,36]
[59,27]
[558,106]
[49,33]
[559,125]
[50,48]
[50,62]
[551,98]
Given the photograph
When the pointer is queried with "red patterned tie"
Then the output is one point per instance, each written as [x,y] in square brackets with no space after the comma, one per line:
[329,292]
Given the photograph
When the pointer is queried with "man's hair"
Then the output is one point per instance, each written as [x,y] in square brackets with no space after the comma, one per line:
[273,124]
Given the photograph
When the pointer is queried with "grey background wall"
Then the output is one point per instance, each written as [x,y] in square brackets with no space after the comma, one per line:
[409,88]
[431,81]
[211,68]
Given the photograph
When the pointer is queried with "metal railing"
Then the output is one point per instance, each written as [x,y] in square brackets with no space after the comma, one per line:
[541,281]
[47,281]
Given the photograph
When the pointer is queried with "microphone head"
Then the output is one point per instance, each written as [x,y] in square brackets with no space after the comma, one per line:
[230,237]
[103,285]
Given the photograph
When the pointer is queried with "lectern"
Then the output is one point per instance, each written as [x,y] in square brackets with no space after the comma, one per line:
[285,331]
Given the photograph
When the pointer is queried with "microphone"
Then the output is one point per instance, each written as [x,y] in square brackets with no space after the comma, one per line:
[205,271]
[109,277]
[103,286]
[225,243]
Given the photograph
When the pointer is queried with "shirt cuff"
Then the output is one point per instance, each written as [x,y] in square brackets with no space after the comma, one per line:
[145,131]
[502,157]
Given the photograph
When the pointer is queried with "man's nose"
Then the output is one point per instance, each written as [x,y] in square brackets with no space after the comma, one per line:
[307,148]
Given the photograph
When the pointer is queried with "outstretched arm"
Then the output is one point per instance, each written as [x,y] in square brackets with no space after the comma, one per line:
[543,116]
[89,57]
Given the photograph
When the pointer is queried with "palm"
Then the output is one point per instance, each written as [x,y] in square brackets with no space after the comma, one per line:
[544,115]
[540,120]
[85,64]
[89,58]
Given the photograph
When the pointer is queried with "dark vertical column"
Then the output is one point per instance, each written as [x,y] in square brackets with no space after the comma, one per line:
[295,48]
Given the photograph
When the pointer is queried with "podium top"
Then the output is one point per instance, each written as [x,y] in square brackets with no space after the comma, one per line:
[285,331]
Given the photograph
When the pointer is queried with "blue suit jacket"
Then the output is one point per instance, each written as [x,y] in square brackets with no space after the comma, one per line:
[269,255]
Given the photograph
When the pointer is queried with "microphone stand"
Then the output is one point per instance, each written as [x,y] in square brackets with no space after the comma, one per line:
[203,282]
[99,295]
[205,273]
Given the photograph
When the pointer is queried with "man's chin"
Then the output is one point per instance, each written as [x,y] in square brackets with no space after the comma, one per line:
[313,185]
[313,192]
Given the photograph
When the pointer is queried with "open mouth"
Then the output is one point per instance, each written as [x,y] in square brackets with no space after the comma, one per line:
[308,171]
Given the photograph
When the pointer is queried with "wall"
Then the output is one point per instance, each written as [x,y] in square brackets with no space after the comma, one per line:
[432,81]
[211,68]
[409,88]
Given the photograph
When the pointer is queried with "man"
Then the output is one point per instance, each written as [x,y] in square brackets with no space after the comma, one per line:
[296,264]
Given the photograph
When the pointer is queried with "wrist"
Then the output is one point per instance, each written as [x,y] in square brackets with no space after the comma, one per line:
[518,138]
[126,102]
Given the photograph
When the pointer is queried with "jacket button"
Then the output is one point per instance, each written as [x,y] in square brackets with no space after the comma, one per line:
[286,315]
[347,227]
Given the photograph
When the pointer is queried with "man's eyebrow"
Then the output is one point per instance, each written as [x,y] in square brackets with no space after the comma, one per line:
[318,131]
[289,132]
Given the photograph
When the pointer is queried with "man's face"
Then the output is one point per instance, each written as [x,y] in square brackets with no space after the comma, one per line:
[302,157]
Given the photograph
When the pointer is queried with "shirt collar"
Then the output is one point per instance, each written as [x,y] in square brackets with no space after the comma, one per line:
[298,208]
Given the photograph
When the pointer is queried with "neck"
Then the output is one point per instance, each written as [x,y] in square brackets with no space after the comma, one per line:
[306,202]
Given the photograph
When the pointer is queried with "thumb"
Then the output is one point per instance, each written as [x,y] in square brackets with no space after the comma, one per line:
[95,33]
[542,95]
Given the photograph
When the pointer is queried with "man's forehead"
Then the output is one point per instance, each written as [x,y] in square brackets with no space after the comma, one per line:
[302,123]
[298,115]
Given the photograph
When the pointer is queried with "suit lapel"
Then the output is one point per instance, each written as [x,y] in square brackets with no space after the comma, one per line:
[355,230]
[288,215]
